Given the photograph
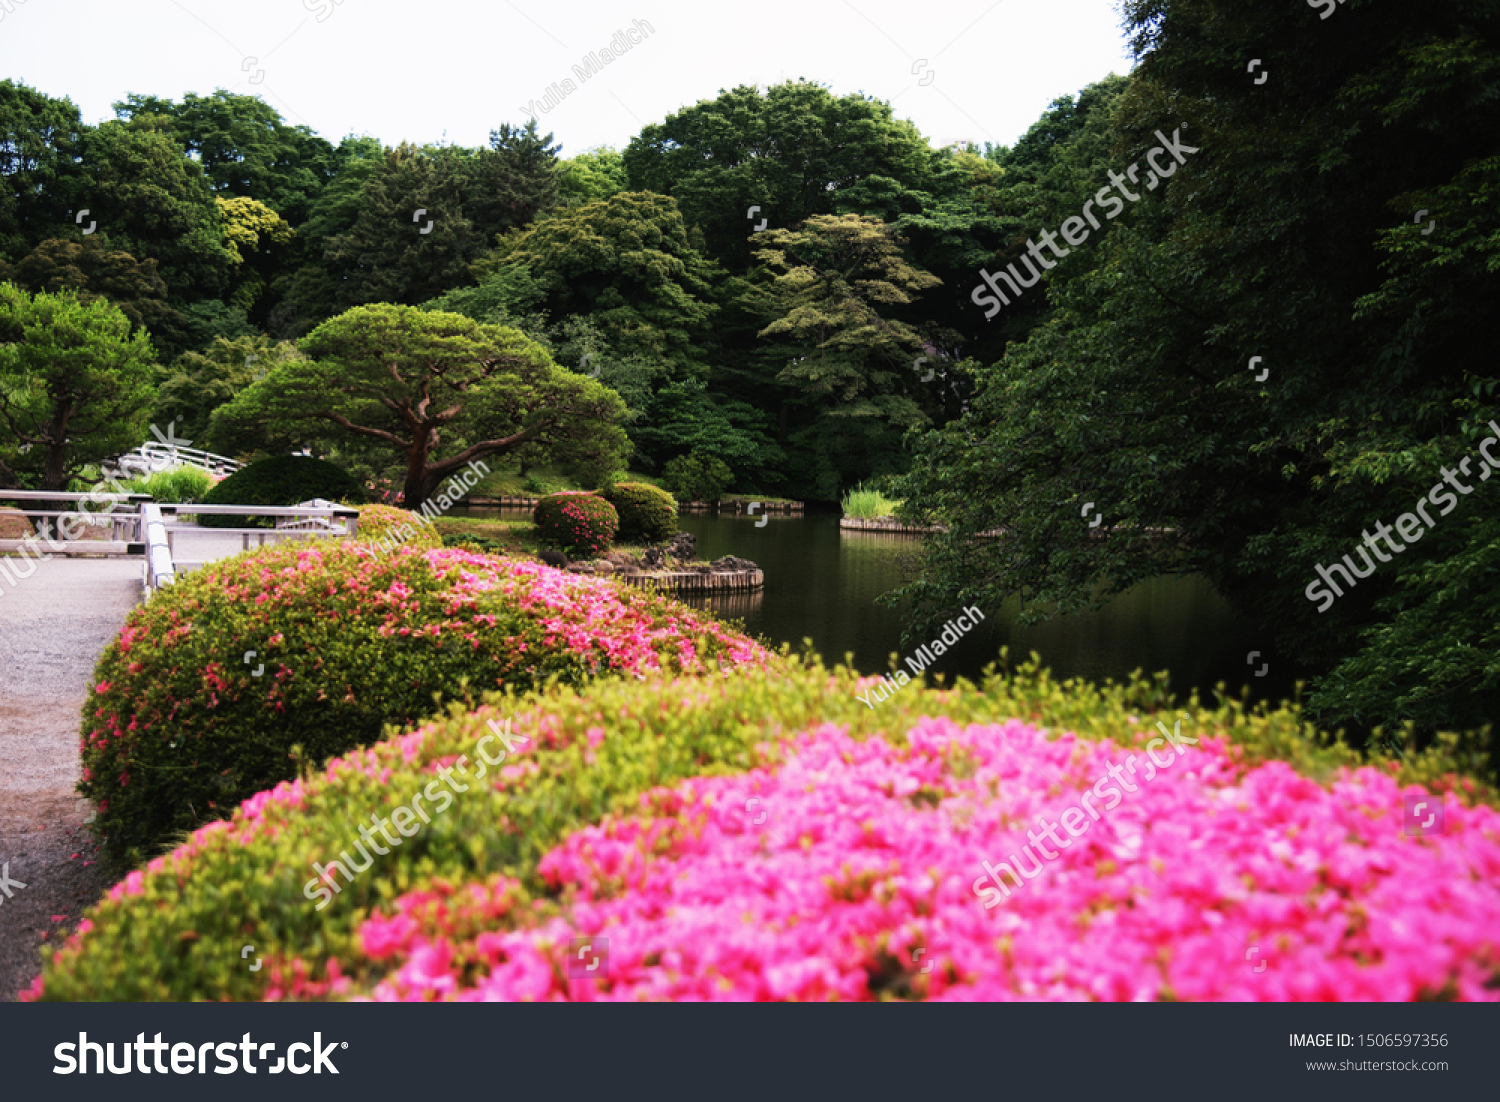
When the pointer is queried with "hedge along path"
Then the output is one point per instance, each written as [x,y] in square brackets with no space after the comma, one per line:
[217,688]
[175,929]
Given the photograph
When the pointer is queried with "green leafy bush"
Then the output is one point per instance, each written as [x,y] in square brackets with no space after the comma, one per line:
[697,477]
[647,514]
[535,484]
[280,480]
[483,545]
[576,521]
[385,527]
[214,685]
[162,933]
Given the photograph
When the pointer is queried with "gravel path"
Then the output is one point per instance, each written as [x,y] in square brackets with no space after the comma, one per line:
[53,627]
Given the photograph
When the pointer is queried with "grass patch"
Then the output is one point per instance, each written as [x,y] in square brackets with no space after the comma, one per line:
[862,504]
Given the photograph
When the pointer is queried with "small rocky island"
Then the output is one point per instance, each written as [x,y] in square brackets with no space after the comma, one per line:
[671,566]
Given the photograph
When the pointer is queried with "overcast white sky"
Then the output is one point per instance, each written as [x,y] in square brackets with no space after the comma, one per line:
[423,70]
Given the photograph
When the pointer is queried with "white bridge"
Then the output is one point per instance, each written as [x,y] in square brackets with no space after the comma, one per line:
[152,457]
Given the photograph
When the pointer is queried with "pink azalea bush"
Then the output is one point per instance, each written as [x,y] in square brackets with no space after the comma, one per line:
[219,686]
[852,871]
[763,835]
[576,521]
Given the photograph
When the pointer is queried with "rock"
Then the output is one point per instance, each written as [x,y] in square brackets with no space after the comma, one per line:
[554,558]
[604,567]
[730,562]
[681,546]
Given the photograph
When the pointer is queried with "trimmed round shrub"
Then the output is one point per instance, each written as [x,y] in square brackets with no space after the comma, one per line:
[576,521]
[771,835]
[647,514]
[386,527]
[279,480]
[211,686]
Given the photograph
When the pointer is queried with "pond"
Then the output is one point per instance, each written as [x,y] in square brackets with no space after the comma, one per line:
[822,582]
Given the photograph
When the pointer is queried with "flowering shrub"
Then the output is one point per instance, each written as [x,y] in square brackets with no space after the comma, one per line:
[647,515]
[382,491]
[764,835]
[211,686]
[576,521]
[384,522]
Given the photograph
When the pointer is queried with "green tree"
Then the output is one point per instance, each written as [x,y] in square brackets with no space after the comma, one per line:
[245,148]
[254,233]
[437,389]
[310,292]
[386,256]
[794,152]
[1286,232]
[512,181]
[594,174]
[151,202]
[75,384]
[198,383]
[847,365]
[697,477]
[627,263]
[95,271]
[41,142]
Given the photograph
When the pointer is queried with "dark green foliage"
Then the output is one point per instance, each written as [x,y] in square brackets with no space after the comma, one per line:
[152,202]
[279,480]
[96,272]
[647,514]
[794,151]
[629,262]
[384,256]
[697,477]
[41,179]
[576,522]
[244,146]
[511,182]
[1291,235]
[198,383]
[75,384]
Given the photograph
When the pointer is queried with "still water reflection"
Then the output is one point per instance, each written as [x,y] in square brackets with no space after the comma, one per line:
[822,582]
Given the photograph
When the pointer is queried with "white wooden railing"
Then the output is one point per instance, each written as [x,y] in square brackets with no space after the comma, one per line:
[59,528]
[170,546]
[151,457]
[325,520]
